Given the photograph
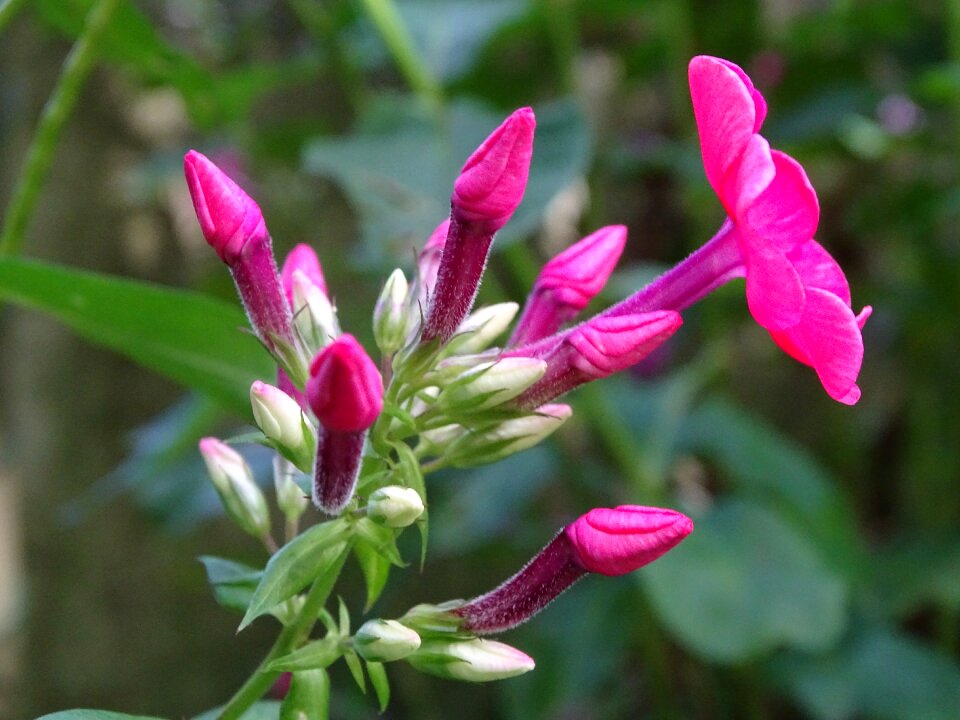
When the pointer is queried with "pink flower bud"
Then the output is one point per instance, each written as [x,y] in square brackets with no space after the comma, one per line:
[568,283]
[304,259]
[599,347]
[428,263]
[620,540]
[492,181]
[345,389]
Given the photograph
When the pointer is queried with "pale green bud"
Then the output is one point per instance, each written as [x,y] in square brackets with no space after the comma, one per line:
[283,423]
[291,498]
[473,660]
[490,384]
[236,487]
[507,437]
[385,641]
[313,315]
[395,506]
[390,316]
[482,327]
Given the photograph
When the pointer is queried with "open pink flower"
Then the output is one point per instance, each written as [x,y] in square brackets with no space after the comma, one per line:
[775,212]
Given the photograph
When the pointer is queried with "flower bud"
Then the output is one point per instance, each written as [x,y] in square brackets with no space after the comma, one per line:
[473,660]
[314,316]
[390,317]
[395,506]
[482,327]
[482,446]
[283,423]
[428,264]
[290,496]
[236,487]
[385,641]
[302,258]
[491,384]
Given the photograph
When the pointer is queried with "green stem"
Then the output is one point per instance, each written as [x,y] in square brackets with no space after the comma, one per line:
[9,10]
[76,69]
[289,639]
[414,69]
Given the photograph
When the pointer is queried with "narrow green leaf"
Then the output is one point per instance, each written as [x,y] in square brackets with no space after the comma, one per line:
[381,685]
[93,715]
[232,583]
[315,655]
[296,565]
[344,617]
[191,338]
[375,569]
[356,669]
[382,540]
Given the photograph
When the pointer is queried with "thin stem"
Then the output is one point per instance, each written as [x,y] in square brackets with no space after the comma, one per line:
[290,637]
[8,11]
[269,543]
[76,69]
[412,66]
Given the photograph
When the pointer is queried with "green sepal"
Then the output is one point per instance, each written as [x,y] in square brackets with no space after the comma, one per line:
[381,685]
[380,539]
[413,475]
[296,565]
[312,656]
[375,569]
[308,697]
[344,614]
[356,669]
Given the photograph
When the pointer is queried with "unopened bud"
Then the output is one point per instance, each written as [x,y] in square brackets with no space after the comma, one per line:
[291,499]
[395,506]
[236,487]
[390,317]
[506,438]
[282,421]
[385,641]
[491,384]
[313,315]
[471,660]
[482,327]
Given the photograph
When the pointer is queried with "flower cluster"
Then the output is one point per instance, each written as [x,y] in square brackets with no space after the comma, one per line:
[445,395]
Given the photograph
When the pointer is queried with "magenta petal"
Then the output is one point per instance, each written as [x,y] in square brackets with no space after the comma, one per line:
[759,104]
[786,213]
[578,273]
[748,178]
[345,389]
[818,269]
[775,292]
[302,258]
[726,116]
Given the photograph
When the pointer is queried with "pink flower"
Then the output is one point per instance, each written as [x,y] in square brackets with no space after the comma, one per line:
[774,208]
[302,258]
[485,195]
[595,349]
[568,283]
[345,389]
[620,540]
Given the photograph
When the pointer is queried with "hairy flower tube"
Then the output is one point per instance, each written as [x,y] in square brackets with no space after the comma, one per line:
[345,392]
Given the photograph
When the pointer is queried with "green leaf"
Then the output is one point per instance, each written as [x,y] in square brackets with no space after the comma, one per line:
[380,539]
[233,583]
[263,710]
[380,682]
[191,338]
[375,569]
[315,655]
[398,168]
[745,583]
[296,565]
[93,715]
[880,674]
[356,669]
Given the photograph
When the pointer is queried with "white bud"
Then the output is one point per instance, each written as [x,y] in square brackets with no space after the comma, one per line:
[385,641]
[313,315]
[390,317]
[507,437]
[395,506]
[483,326]
[291,498]
[283,423]
[490,384]
[236,487]
[471,660]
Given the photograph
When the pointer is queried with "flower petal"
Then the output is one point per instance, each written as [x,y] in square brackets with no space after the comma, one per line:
[818,269]
[786,213]
[775,293]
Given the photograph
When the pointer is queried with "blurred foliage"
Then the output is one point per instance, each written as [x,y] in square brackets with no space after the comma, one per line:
[823,579]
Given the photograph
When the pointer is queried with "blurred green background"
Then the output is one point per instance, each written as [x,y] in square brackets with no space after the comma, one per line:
[823,580]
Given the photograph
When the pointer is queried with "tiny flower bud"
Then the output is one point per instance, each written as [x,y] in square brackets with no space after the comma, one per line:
[282,421]
[236,487]
[482,327]
[302,258]
[429,263]
[314,316]
[395,506]
[473,660]
[482,446]
[568,283]
[290,496]
[390,314]
[385,641]
[491,384]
